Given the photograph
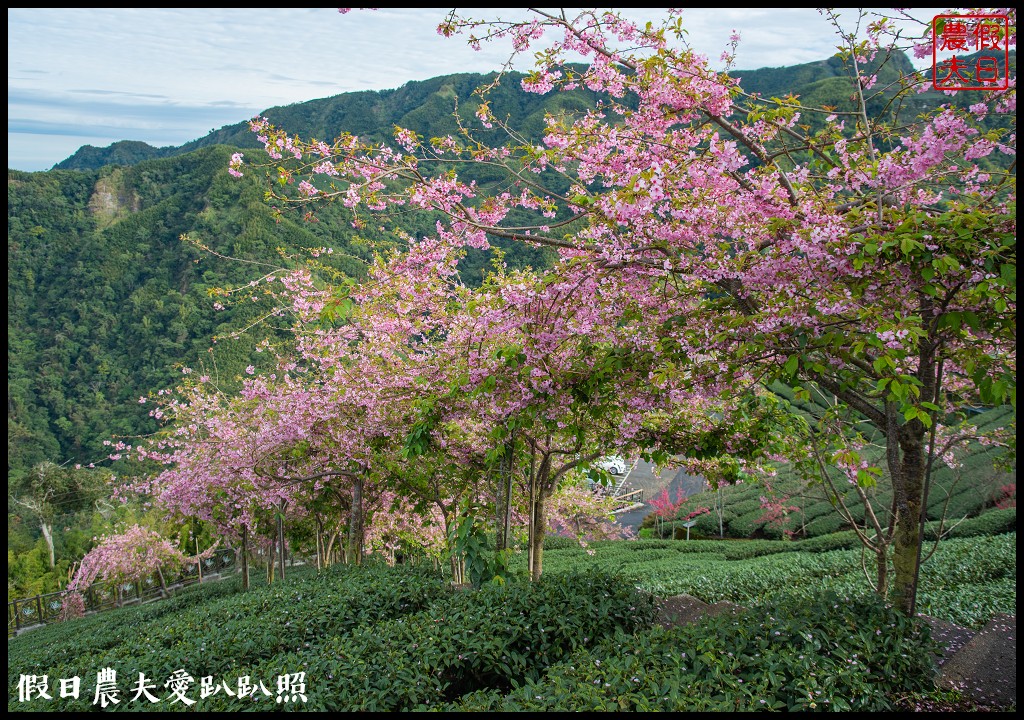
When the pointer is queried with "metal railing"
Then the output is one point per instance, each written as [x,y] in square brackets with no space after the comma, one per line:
[629,500]
[25,613]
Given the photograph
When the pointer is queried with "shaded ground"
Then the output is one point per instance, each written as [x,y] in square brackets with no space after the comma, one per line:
[981,666]
[685,609]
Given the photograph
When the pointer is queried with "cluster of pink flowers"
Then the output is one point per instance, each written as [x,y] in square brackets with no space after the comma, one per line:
[130,556]
[700,266]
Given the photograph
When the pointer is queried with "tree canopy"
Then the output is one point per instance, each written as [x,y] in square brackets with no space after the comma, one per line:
[710,242]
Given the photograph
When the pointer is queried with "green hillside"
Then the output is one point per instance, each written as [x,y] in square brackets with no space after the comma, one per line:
[979,483]
[106,303]
[426,107]
[584,637]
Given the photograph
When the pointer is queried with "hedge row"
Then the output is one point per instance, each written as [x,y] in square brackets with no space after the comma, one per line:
[828,653]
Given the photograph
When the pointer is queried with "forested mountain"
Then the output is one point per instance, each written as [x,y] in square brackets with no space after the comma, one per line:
[105,300]
[107,303]
[427,107]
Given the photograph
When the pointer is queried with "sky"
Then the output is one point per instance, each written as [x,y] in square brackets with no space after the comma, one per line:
[165,76]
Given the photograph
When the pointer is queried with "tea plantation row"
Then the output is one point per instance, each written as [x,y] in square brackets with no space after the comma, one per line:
[380,638]
[956,493]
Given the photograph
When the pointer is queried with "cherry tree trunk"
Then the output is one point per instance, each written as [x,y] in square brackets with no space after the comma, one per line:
[356,534]
[539,517]
[908,488]
[503,500]
[245,557]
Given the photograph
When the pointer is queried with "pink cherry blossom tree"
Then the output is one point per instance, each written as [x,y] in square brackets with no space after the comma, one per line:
[126,557]
[861,254]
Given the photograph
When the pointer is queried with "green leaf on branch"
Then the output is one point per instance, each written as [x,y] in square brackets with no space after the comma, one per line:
[791,365]
[913,412]
[865,478]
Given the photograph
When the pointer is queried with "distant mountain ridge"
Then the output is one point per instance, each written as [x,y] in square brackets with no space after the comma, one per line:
[368,112]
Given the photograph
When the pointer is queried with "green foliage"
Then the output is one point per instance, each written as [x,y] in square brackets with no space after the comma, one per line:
[97,265]
[471,544]
[830,652]
[843,540]
[991,522]
[62,642]
[749,572]
[28,572]
[380,638]
[124,152]
[226,629]
[965,608]
[558,542]
[374,638]
[971,561]
[497,636]
[962,493]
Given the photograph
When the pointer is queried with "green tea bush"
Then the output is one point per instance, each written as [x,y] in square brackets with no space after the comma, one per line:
[843,540]
[826,524]
[214,638]
[495,637]
[970,607]
[826,653]
[992,522]
[965,501]
[379,638]
[740,505]
[729,549]
[747,524]
[814,510]
[970,489]
[113,627]
[557,542]
[707,524]
[972,561]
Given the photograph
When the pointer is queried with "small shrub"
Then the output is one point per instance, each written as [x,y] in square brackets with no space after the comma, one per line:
[991,522]
[825,653]
[843,540]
